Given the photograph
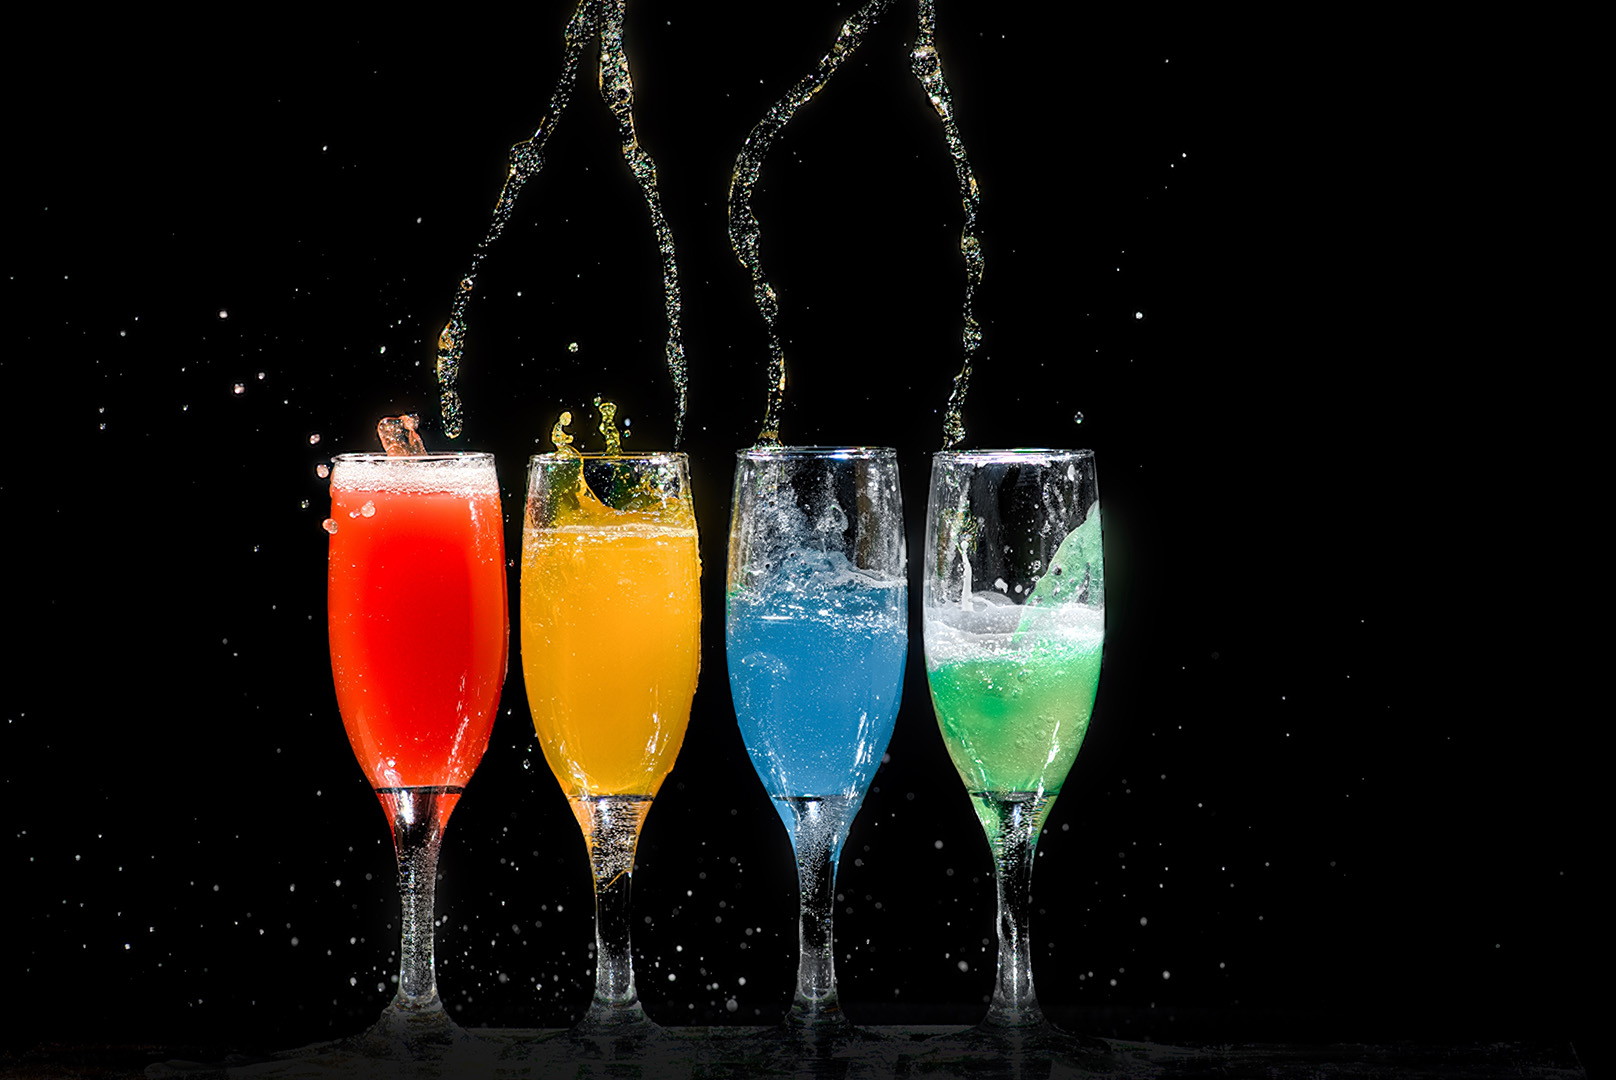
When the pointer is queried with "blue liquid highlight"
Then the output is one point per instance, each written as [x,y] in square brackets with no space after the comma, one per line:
[816,661]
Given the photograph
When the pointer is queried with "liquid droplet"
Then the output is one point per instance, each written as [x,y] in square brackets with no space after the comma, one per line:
[329,526]
[608,429]
[559,437]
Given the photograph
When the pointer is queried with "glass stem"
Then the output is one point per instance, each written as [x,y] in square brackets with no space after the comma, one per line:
[816,840]
[611,825]
[1012,822]
[418,817]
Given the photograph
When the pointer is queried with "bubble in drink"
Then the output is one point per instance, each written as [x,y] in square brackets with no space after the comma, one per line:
[398,436]
[328,525]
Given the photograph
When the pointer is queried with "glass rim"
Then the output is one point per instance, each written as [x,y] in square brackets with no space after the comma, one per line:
[601,455]
[833,453]
[431,457]
[1009,455]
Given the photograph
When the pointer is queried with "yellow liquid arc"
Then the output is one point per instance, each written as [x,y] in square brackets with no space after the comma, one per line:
[611,645]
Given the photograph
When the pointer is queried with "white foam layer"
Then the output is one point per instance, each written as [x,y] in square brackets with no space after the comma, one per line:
[992,627]
[416,475]
[809,572]
[617,532]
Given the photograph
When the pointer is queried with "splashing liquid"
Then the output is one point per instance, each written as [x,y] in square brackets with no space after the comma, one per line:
[563,443]
[527,158]
[743,222]
[608,427]
[927,65]
[559,437]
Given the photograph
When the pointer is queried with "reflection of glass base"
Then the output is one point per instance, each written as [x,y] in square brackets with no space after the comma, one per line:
[990,1049]
[615,1033]
[603,1017]
[825,1015]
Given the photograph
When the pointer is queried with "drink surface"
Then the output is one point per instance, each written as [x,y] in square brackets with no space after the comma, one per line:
[1013,704]
[816,661]
[417,618]
[611,629]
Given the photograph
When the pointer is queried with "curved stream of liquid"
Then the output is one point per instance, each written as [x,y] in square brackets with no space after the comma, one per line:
[617,88]
[743,222]
[927,65]
[527,159]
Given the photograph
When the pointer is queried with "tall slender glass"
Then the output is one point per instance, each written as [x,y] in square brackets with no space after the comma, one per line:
[417,619]
[816,632]
[1013,617]
[611,647]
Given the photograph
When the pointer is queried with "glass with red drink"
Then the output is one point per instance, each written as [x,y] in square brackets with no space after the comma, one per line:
[419,636]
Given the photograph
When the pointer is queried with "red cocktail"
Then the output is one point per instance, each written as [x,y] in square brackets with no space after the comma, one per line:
[419,637]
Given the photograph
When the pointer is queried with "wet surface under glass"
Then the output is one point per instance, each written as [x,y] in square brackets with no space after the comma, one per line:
[754,1052]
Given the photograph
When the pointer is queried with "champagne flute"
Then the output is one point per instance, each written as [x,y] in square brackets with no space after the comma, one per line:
[611,647]
[816,631]
[419,637]
[1013,618]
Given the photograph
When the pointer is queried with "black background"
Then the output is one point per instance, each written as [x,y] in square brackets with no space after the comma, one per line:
[1315,800]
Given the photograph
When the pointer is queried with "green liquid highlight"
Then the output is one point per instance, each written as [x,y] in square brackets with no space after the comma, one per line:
[1015,721]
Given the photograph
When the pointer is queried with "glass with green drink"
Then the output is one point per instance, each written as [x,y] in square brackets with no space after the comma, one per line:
[1013,614]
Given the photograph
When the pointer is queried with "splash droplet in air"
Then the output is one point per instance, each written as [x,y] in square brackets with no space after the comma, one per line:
[608,427]
[559,437]
[398,436]
[744,231]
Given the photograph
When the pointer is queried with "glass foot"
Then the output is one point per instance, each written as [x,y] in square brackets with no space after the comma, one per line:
[411,1034]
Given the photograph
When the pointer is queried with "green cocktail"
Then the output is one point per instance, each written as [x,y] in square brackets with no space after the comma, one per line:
[1014,721]
[1014,623]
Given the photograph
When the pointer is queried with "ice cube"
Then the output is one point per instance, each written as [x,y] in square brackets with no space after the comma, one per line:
[398,436]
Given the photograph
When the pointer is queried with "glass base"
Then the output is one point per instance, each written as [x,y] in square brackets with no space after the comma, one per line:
[610,1032]
[604,1017]
[411,1034]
